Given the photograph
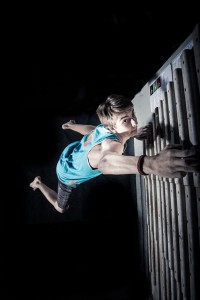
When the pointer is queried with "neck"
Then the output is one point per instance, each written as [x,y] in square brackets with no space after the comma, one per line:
[123,138]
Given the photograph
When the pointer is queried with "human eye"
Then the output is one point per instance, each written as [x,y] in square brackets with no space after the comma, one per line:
[126,121]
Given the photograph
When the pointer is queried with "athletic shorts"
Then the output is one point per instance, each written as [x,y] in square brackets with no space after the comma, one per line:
[64,193]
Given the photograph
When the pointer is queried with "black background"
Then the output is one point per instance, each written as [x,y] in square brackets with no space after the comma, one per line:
[74,57]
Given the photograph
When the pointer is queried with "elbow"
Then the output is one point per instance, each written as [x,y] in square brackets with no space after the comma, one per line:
[103,165]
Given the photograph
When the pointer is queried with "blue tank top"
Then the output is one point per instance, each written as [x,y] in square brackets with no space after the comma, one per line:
[73,167]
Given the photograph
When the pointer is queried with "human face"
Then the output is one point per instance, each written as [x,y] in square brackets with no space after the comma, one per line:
[126,124]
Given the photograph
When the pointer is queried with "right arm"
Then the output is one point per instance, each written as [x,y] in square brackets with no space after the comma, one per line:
[170,162]
[80,128]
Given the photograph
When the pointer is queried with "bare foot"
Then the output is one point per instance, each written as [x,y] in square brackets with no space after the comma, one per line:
[35,183]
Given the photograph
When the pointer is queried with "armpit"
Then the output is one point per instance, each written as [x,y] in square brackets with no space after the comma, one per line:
[112,146]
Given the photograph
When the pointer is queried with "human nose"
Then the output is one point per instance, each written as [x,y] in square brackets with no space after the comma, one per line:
[134,122]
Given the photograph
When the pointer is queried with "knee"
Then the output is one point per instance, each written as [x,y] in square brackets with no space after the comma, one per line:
[59,209]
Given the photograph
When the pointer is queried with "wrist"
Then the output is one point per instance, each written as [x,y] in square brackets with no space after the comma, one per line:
[140,165]
[148,165]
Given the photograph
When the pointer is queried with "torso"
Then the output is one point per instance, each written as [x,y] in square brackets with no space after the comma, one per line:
[79,161]
[96,152]
[94,156]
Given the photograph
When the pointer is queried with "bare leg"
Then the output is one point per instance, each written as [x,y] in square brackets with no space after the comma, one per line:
[49,194]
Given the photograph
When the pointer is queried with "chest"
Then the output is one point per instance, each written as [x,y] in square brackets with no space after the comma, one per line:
[94,156]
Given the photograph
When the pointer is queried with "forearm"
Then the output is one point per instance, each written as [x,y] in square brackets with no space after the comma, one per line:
[116,164]
[80,128]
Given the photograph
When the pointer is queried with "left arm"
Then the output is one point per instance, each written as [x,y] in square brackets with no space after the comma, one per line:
[80,128]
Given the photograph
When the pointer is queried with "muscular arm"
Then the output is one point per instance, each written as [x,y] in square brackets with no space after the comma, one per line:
[80,128]
[170,162]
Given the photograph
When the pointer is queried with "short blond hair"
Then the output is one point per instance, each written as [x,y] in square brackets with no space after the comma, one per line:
[113,106]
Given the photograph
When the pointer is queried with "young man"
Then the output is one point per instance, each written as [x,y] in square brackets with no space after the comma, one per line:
[100,152]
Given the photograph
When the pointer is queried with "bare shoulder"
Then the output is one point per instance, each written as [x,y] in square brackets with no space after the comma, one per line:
[100,150]
[112,145]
